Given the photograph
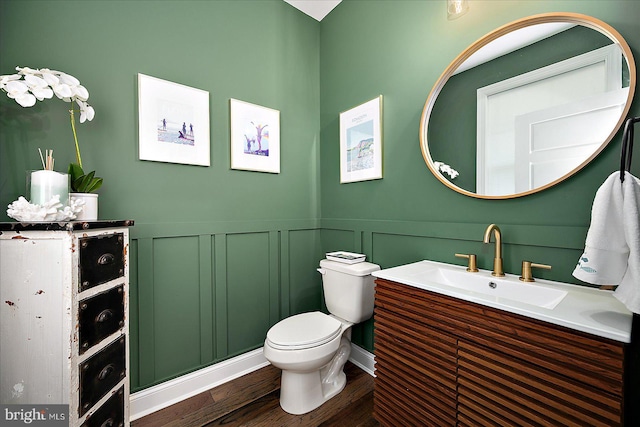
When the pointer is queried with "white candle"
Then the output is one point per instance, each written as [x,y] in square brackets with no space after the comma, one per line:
[45,184]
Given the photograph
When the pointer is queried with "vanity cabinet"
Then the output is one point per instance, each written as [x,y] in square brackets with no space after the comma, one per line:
[64,318]
[444,361]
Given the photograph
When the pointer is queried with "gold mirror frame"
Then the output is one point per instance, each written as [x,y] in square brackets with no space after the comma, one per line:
[573,18]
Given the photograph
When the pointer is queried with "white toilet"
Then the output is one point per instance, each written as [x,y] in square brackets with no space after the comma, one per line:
[312,348]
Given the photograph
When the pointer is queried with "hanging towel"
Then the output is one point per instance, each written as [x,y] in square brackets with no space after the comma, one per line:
[612,248]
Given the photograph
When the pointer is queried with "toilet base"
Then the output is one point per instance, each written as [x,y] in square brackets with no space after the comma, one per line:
[302,392]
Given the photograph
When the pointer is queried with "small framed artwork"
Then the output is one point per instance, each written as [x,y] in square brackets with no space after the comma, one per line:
[173,122]
[361,142]
[255,137]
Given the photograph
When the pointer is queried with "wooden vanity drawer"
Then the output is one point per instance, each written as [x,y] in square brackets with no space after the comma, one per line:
[100,316]
[111,414]
[101,259]
[100,372]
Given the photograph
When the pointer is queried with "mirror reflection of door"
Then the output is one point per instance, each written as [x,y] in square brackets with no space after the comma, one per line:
[554,114]
[552,142]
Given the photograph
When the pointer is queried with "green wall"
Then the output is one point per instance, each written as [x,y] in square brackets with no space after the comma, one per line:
[399,49]
[218,255]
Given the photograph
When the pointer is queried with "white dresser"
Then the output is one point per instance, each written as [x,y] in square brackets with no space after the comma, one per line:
[64,318]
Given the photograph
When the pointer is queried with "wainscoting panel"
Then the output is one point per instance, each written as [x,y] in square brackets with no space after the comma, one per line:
[305,284]
[340,240]
[206,254]
[134,316]
[204,293]
[248,293]
[176,304]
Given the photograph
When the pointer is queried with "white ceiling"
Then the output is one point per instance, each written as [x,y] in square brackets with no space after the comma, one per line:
[316,9]
[513,41]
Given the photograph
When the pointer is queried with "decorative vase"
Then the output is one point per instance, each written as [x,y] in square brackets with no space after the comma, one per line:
[90,210]
[43,184]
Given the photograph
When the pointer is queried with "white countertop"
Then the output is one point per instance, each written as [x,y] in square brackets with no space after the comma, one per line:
[584,309]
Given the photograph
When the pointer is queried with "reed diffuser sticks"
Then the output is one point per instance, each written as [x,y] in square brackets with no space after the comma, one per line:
[49,162]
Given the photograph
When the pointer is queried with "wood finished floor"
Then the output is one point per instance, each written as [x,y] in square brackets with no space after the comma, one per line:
[252,400]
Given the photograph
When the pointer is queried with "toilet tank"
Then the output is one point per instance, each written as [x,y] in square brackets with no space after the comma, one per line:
[348,289]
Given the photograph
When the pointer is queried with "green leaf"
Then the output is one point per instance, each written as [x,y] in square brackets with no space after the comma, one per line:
[81,183]
[75,170]
[95,184]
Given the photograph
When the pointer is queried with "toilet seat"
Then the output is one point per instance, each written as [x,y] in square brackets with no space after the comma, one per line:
[304,330]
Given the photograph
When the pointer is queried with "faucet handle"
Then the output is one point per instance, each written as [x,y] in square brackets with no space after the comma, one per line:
[473,267]
[527,276]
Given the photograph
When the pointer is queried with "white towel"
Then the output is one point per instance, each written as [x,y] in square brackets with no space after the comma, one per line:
[612,248]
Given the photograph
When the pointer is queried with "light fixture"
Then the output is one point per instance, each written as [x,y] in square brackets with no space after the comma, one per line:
[456,8]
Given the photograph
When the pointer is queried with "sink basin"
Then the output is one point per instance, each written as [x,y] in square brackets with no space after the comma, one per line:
[573,306]
[495,288]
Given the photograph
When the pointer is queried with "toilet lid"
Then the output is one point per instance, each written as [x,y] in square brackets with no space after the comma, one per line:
[304,331]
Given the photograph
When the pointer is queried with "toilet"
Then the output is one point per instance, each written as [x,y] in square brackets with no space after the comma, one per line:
[312,348]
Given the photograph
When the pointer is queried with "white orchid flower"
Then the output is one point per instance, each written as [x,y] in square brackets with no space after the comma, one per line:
[25,70]
[19,91]
[29,85]
[63,91]
[8,78]
[49,77]
[26,100]
[90,112]
[42,93]
[35,81]
[68,79]
[80,92]
[15,87]
[445,168]
[86,111]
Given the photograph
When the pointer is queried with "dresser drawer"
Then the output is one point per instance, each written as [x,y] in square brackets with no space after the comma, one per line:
[100,372]
[111,414]
[100,316]
[101,259]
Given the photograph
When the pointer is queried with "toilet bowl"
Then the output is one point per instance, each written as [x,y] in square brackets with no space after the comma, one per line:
[305,385]
[312,348]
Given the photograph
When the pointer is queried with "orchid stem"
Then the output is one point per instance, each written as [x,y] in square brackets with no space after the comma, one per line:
[75,137]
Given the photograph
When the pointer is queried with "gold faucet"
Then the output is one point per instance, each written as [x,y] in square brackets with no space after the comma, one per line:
[473,266]
[497,259]
[526,270]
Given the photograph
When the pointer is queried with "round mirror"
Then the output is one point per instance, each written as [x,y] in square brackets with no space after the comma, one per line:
[527,105]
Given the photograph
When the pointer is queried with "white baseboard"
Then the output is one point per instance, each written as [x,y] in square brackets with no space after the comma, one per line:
[362,359]
[173,391]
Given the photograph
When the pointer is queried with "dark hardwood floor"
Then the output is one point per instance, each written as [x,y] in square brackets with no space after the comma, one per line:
[252,400]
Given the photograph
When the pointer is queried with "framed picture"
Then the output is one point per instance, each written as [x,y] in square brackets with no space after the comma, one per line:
[361,142]
[173,122]
[255,137]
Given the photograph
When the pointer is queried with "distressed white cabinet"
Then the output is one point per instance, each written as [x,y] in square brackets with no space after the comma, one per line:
[64,318]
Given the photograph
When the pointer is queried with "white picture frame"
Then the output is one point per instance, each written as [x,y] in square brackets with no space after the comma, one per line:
[173,122]
[255,137]
[361,142]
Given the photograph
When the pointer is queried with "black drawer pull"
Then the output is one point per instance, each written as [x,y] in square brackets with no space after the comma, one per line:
[106,371]
[108,423]
[104,316]
[106,259]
